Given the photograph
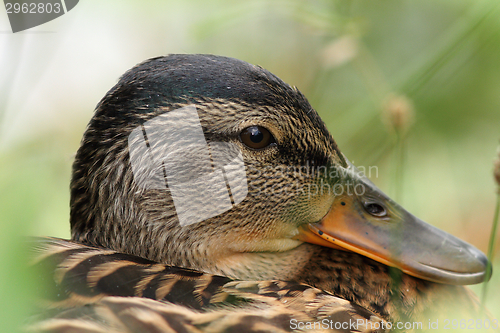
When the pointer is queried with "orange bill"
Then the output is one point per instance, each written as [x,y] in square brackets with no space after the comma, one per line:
[372,225]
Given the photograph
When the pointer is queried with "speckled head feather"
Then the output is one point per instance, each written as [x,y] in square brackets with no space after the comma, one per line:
[108,209]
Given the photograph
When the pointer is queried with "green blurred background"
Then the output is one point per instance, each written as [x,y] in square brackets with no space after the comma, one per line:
[354,60]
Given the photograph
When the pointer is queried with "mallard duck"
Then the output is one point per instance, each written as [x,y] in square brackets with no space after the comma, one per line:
[208,195]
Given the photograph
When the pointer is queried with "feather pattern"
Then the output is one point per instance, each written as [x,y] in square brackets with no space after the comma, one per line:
[100,290]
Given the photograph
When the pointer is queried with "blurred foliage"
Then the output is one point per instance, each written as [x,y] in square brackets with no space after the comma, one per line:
[350,58]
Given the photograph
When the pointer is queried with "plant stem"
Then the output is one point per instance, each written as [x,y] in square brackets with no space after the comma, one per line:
[399,158]
[491,246]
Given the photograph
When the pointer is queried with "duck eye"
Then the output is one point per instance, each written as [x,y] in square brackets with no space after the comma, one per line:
[256,137]
[375,209]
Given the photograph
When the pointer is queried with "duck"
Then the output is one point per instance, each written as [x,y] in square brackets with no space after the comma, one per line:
[208,196]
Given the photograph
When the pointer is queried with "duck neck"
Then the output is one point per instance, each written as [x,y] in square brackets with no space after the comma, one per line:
[262,265]
[370,285]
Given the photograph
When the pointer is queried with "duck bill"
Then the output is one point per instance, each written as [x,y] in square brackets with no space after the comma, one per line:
[356,222]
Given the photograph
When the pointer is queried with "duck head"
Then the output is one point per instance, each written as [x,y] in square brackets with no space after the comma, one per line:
[211,163]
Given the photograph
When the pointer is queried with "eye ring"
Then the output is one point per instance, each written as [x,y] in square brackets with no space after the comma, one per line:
[257,137]
[375,209]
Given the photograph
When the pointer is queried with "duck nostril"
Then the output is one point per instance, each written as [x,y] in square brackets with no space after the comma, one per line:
[375,209]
